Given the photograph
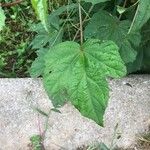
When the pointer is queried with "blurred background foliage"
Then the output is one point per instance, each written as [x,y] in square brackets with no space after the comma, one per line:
[23,34]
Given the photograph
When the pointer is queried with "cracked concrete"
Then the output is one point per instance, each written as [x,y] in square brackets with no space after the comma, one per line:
[128,108]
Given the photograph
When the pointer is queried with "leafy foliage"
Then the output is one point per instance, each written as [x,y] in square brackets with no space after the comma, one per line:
[40,7]
[141,16]
[80,72]
[36,142]
[44,38]
[38,65]
[110,28]
[111,33]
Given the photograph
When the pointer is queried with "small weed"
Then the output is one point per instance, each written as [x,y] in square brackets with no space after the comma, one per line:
[37,142]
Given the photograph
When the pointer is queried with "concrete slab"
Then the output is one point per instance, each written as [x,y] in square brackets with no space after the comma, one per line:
[129,109]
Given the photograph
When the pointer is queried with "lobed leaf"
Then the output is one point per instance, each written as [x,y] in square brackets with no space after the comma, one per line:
[110,28]
[47,39]
[142,15]
[78,73]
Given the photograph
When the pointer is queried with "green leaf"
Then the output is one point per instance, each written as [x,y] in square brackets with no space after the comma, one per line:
[105,54]
[2,61]
[2,19]
[142,62]
[141,16]
[136,65]
[62,9]
[120,9]
[42,41]
[110,28]
[58,59]
[37,68]
[55,110]
[79,74]
[40,7]
[45,39]
[96,1]
[53,18]
[36,141]
[89,93]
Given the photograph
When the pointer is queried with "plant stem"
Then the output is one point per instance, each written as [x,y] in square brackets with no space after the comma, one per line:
[39,125]
[81,23]
[133,19]
[61,29]
[67,23]
[124,5]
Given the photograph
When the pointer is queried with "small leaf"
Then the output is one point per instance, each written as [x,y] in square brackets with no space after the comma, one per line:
[62,9]
[102,146]
[2,61]
[40,7]
[142,62]
[36,141]
[121,10]
[145,47]
[57,70]
[136,65]
[53,18]
[56,110]
[2,19]
[47,39]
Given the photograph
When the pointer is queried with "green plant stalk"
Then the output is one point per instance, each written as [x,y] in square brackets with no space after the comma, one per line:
[61,29]
[133,19]
[125,2]
[81,23]
[36,141]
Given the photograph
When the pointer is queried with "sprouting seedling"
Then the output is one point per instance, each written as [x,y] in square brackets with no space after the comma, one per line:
[37,142]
